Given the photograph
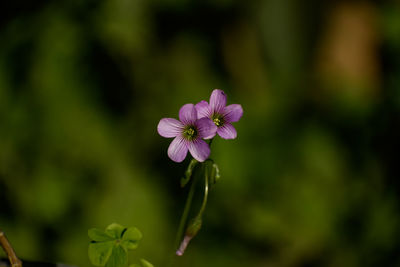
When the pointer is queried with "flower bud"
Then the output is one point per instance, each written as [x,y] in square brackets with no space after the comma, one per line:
[194,227]
[191,231]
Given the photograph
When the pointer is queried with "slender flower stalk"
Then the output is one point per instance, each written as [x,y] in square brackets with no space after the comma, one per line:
[195,225]
[185,213]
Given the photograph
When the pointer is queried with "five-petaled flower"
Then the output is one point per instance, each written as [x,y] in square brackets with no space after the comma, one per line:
[189,133]
[220,114]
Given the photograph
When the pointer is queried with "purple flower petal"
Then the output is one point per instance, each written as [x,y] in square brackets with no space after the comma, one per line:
[178,149]
[199,149]
[188,114]
[203,109]
[227,131]
[169,127]
[233,113]
[206,128]
[217,100]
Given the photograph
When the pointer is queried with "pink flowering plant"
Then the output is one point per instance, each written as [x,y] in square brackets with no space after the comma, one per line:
[194,131]
[196,124]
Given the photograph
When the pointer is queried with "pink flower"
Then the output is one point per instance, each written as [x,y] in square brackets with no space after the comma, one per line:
[189,133]
[220,114]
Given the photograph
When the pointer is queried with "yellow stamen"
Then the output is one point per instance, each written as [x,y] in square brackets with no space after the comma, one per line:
[217,122]
[190,132]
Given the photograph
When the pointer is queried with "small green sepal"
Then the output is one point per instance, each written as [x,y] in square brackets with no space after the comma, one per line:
[188,172]
[215,176]
[212,170]
[194,227]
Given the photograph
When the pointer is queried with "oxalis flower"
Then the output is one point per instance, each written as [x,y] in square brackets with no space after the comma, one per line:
[189,133]
[220,114]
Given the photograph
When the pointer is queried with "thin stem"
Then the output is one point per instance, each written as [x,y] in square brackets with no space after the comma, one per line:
[188,204]
[12,257]
[209,143]
[185,213]
[195,224]
[204,204]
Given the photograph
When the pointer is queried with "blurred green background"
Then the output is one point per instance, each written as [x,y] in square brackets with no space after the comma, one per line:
[311,180]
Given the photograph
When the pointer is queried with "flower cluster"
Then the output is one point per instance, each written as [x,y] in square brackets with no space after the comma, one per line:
[198,122]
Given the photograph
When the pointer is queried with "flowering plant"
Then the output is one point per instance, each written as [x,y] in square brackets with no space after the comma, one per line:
[196,124]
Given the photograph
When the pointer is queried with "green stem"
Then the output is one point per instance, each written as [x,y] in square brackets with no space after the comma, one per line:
[204,204]
[183,220]
[209,143]
[195,224]
[185,213]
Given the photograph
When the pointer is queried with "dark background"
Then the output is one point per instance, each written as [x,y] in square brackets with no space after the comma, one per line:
[311,180]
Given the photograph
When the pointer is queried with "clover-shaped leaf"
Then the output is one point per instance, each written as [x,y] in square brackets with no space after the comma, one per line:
[100,252]
[115,230]
[109,248]
[118,258]
[99,235]
[131,237]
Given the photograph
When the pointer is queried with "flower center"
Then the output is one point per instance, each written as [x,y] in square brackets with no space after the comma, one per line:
[190,133]
[218,119]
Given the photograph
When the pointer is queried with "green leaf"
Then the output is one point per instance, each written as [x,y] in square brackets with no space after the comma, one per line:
[99,253]
[129,244]
[115,230]
[146,263]
[109,248]
[131,238]
[99,235]
[132,233]
[118,258]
